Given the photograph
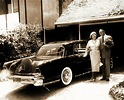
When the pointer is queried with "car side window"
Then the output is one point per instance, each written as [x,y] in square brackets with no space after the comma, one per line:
[61,51]
[69,50]
[79,48]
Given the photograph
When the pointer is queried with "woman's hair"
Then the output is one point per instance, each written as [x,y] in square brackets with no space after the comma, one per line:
[92,34]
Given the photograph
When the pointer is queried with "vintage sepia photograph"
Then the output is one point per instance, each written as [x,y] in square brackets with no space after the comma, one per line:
[61,50]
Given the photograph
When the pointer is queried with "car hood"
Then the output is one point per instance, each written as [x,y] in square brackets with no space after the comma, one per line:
[34,59]
[28,64]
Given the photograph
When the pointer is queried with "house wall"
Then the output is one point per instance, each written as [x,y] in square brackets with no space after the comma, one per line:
[9,16]
[44,12]
[22,11]
[33,8]
[2,7]
[50,13]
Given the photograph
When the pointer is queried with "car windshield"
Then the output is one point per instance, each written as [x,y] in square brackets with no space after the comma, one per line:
[50,50]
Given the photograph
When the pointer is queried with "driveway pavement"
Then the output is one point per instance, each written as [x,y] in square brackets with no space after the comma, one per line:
[80,89]
[86,90]
[83,89]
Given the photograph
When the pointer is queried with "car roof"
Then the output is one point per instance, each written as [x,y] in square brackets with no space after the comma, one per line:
[63,43]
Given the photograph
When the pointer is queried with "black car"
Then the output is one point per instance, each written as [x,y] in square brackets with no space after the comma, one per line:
[55,61]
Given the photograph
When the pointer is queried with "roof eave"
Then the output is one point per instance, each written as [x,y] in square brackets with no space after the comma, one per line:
[93,21]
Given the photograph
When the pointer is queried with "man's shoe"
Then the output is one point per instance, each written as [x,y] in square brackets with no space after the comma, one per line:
[92,80]
[107,79]
[103,79]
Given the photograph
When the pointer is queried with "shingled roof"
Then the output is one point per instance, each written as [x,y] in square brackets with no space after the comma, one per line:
[92,11]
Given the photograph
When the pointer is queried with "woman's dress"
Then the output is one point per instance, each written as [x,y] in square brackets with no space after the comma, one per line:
[94,54]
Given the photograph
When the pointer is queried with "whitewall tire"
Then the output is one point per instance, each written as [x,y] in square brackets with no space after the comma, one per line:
[66,76]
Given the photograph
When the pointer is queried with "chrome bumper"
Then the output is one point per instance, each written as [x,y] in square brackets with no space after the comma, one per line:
[36,81]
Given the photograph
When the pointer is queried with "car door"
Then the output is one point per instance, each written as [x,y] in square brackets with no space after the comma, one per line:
[82,63]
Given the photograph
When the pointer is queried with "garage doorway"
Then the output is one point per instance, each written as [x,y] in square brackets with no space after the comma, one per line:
[116,30]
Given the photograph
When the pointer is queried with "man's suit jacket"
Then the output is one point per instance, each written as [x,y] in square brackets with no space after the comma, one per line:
[105,50]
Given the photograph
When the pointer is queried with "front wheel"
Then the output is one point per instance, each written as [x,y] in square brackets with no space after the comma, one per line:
[66,76]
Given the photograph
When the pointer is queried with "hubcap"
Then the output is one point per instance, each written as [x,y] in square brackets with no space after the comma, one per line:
[66,76]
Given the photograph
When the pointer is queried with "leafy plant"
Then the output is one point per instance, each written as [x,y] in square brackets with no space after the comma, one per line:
[21,42]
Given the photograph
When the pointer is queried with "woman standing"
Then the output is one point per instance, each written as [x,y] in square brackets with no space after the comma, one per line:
[92,48]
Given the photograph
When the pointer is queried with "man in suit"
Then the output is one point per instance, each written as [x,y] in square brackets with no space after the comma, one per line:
[106,42]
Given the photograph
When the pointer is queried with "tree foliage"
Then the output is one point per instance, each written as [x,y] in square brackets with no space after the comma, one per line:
[21,42]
